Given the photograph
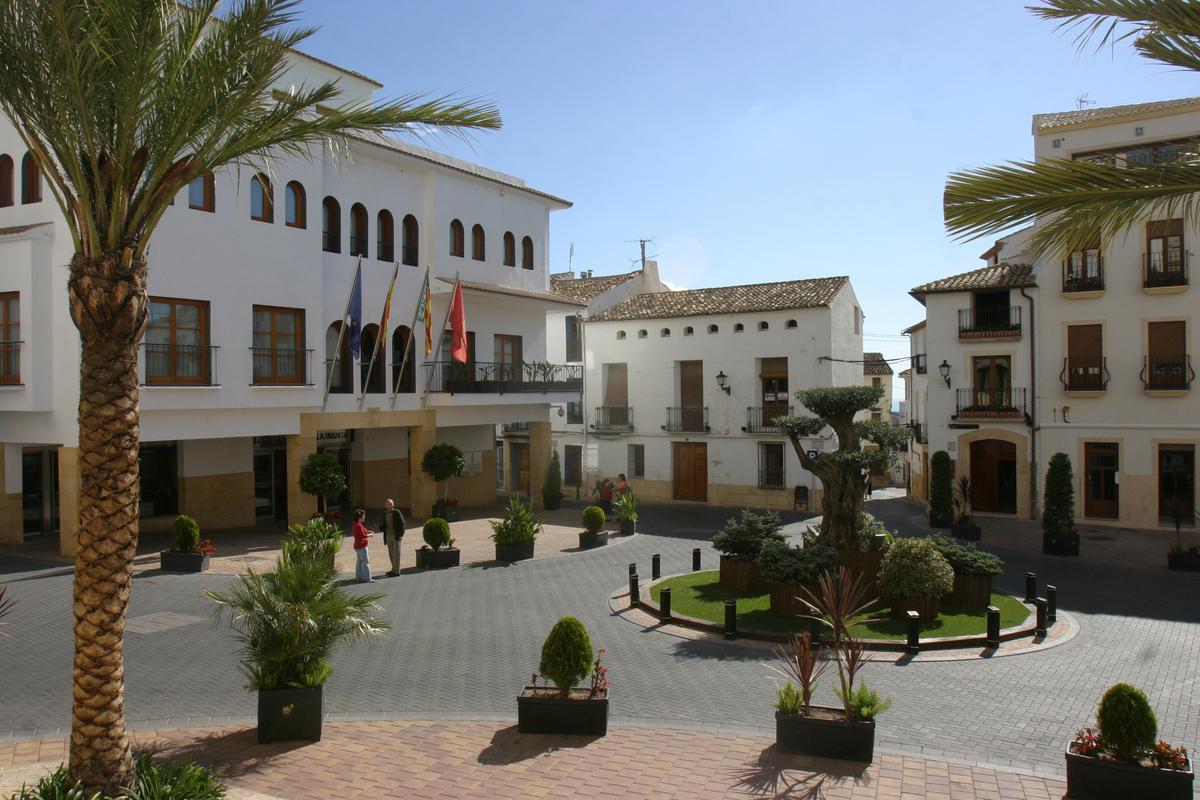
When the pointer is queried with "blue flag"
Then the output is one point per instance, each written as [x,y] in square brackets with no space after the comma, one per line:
[354,316]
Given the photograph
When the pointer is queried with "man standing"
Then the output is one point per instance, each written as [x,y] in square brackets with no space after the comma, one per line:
[392,526]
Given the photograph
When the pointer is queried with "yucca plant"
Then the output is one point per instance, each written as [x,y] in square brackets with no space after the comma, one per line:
[519,524]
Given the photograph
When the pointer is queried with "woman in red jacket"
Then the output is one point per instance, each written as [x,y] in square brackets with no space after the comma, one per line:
[362,567]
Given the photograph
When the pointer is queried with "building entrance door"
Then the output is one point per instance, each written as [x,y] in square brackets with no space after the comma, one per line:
[1100,499]
[994,475]
[1176,483]
[39,492]
[270,484]
[520,467]
[689,473]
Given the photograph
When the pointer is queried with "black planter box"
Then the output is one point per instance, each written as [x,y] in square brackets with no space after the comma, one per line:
[553,713]
[971,533]
[521,551]
[448,513]
[289,714]
[588,540]
[1091,778]
[170,561]
[628,527]
[550,503]
[438,559]
[941,519]
[825,738]
[1188,562]
[1060,548]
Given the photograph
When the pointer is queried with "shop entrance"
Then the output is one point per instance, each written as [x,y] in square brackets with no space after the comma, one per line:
[39,492]
[270,478]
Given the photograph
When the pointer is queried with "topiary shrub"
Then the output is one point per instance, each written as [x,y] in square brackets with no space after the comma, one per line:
[743,537]
[1127,724]
[593,518]
[322,477]
[1058,508]
[552,488]
[442,462]
[967,559]
[187,535]
[914,568]
[566,654]
[941,477]
[436,532]
[781,563]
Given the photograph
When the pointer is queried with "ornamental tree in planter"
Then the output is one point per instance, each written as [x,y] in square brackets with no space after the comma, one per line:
[186,553]
[740,542]
[322,476]
[1179,557]
[443,462]
[627,506]
[315,538]
[565,708]
[973,568]
[1059,535]
[843,472]
[439,551]
[593,534]
[914,576]
[1121,758]
[786,568]
[964,526]
[515,534]
[941,493]
[288,622]
[552,488]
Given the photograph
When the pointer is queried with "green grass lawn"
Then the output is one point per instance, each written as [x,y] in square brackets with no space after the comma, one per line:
[700,595]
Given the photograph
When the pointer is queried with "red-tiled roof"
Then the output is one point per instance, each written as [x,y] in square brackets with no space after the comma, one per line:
[782,296]
[589,287]
[875,364]
[1001,276]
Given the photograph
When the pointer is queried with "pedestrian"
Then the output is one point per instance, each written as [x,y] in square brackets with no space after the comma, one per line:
[392,526]
[867,477]
[606,496]
[622,485]
[362,565]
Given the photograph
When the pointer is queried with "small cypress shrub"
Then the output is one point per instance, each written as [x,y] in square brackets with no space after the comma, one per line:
[566,654]
[436,532]
[941,477]
[187,534]
[552,488]
[1128,727]
[1058,502]
[593,518]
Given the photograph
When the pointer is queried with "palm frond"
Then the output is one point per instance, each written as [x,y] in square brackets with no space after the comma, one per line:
[1166,31]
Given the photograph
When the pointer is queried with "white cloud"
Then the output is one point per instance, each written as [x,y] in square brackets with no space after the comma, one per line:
[682,261]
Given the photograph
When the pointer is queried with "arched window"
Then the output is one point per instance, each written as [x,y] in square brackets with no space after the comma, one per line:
[738,328]
[6,180]
[374,381]
[713,329]
[642,333]
[791,323]
[665,332]
[527,253]
[385,235]
[31,181]
[262,200]
[358,230]
[510,249]
[763,325]
[202,193]
[295,207]
[477,243]
[620,334]
[331,226]
[341,380]
[688,331]
[402,340]
[457,239]
[410,240]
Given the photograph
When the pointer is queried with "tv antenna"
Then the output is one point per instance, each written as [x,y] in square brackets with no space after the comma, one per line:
[642,244]
[1083,101]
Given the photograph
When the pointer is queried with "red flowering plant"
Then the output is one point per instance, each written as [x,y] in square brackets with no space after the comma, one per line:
[207,547]
[599,676]
[1164,756]
[1126,732]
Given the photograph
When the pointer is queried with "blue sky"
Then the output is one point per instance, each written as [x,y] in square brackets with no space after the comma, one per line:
[754,141]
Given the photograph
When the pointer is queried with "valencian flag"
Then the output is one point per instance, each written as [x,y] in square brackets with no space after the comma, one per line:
[458,326]
[425,314]
[353,318]
[387,305]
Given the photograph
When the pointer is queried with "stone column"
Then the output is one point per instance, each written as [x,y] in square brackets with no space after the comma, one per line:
[12,520]
[540,446]
[68,500]
[301,506]
[423,491]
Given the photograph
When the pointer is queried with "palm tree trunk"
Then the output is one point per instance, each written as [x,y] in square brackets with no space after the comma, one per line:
[108,303]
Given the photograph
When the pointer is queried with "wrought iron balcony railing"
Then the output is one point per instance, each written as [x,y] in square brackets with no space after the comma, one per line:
[986,323]
[280,366]
[179,364]
[919,363]
[687,418]
[1165,269]
[990,403]
[613,419]
[1173,373]
[1085,373]
[499,377]
[1083,277]
[761,419]
[10,363]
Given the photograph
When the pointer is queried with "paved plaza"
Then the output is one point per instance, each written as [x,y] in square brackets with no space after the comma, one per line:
[465,640]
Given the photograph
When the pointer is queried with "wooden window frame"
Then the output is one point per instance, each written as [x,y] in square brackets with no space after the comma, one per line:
[358,212]
[300,204]
[275,378]
[31,181]
[634,453]
[385,235]
[209,193]
[478,243]
[764,480]
[263,184]
[510,249]
[331,225]
[7,178]
[10,338]
[204,354]
[410,254]
[527,253]
[457,238]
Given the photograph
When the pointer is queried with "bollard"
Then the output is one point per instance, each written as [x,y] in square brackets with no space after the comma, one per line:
[1051,604]
[993,627]
[655,566]
[633,568]
[1040,630]
[664,605]
[635,598]
[695,559]
[730,619]
[1030,587]
[814,631]
[914,632]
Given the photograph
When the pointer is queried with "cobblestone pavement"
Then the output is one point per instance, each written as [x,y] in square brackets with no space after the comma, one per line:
[465,639]
[492,760]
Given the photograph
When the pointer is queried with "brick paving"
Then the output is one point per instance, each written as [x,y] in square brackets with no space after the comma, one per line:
[431,759]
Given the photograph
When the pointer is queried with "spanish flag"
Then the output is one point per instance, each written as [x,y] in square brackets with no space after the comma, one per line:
[425,314]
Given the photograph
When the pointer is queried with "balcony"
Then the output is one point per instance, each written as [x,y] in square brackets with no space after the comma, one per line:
[1087,277]
[918,363]
[920,433]
[689,419]
[10,363]
[990,404]
[1165,270]
[1167,374]
[613,419]
[499,377]
[574,413]
[1085,374]
[515,428]
[989,323]
[761,419]
[280,366]
[177,365]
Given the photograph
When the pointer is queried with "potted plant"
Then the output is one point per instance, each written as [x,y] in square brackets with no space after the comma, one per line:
[787,568]
[914,576]
[1179,557]
[322,476]
[186,553]
[443,462]
[565,708]
[552,489]
[941,474]
[822,731]
[515,534]
[1059,535]
[739,544]
[964,526]
[315,538]
[1122,757]
[593,534]
[627,505]
[973,568]
[288,622]
[439,551]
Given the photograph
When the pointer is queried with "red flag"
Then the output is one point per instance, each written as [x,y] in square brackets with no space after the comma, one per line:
[458,326]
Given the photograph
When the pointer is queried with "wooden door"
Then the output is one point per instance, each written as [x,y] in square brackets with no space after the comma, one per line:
[691,395]
[616,394]
[774,389]
[1100,469]
[993,475]
[1085,357]
[1167,346]
[508,357]
[521,454]
[690,470]
[1176,483]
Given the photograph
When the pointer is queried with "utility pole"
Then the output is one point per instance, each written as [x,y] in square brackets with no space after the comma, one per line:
[642,245]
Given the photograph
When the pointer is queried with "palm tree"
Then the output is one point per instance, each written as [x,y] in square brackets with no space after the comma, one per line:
[122,103]
[1076,202]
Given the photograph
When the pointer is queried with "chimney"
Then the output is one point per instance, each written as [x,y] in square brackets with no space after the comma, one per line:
[650,279]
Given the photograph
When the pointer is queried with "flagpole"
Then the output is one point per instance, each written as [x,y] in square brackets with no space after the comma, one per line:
[379,336]
[412,344]
[441,335]
[341,336]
